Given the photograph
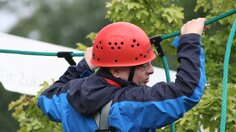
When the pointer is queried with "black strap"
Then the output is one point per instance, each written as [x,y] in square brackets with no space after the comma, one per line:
[131,73]
[156,41]
[67,55]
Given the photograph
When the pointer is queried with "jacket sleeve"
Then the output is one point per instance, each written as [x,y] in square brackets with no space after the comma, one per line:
[163,103]
[52,100]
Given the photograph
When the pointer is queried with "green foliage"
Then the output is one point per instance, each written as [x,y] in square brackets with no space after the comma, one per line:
[91,36]
[207,113]
[217,37]
[154,16]
[30,117]
[83,47]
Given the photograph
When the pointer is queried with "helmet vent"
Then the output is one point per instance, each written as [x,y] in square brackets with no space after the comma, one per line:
[134,41]
[116,45]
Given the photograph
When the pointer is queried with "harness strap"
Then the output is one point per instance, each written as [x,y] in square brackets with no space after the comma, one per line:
[103,124]
[102,117]
[97,117]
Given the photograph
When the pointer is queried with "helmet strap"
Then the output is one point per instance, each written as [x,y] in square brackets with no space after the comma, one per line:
[131,73]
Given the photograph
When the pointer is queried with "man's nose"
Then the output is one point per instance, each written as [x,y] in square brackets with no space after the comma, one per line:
[150,69]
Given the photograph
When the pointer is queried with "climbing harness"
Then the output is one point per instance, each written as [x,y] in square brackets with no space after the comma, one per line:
[102,120]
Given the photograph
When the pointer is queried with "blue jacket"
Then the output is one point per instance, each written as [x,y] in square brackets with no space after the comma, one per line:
[79,94]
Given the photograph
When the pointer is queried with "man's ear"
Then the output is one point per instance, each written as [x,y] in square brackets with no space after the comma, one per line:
[115,72]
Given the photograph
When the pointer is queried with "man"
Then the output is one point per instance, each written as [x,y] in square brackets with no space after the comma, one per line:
[123,53]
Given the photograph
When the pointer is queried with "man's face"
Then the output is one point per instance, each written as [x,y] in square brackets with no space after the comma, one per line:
[141,74]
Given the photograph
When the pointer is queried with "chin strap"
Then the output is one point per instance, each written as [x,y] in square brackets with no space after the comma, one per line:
[131,73]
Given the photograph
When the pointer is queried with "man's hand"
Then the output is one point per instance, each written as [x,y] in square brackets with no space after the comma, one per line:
[193,26]
[88,57]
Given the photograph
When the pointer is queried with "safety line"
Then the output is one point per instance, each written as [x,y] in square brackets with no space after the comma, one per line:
[225,78]
[81,54]
[226,14]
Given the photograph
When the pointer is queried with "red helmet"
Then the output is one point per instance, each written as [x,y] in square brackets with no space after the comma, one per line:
[121,44]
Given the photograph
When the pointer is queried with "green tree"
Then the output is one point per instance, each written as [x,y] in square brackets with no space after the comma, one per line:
[30,117]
